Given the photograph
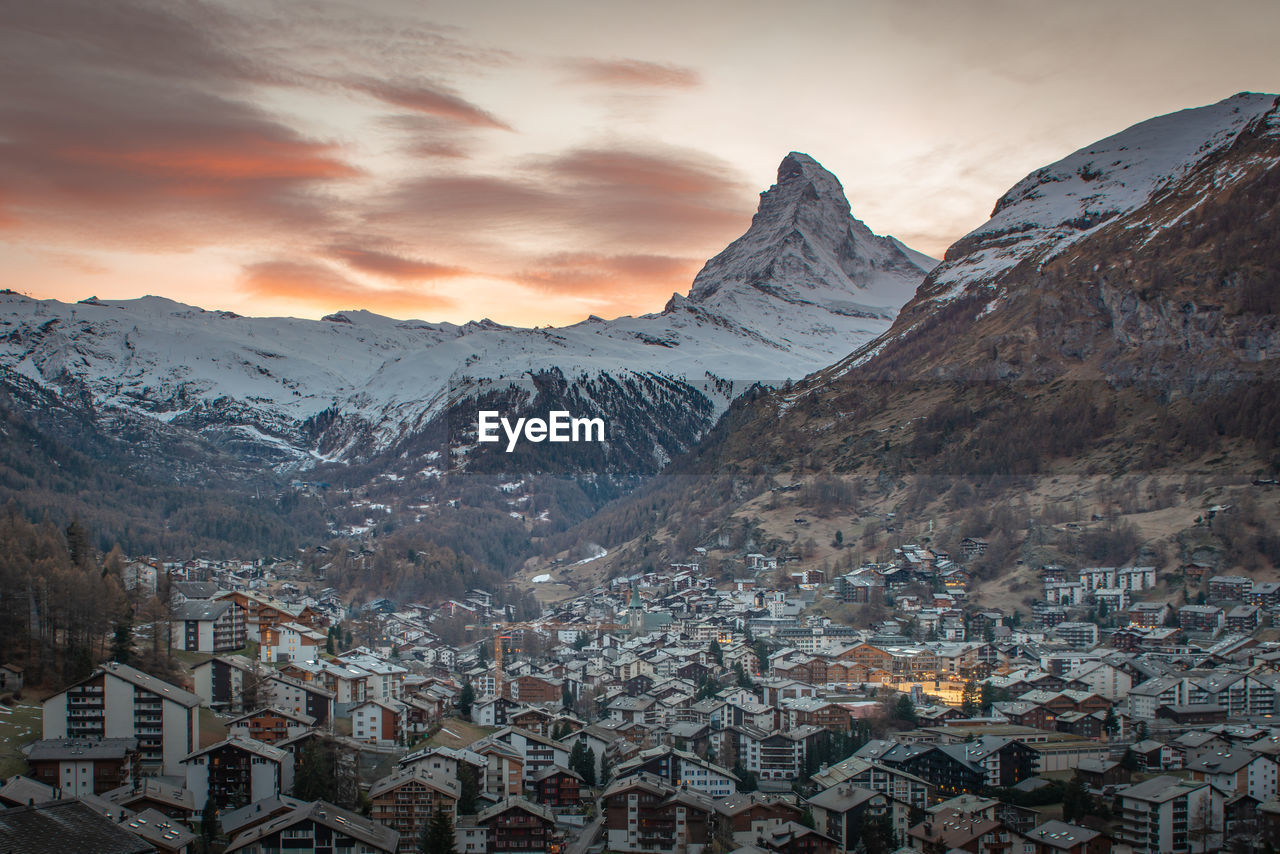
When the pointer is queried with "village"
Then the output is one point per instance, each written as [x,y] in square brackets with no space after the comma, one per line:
[672,711]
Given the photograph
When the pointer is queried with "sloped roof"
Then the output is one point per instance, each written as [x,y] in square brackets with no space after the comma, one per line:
[351,824]
[59,827]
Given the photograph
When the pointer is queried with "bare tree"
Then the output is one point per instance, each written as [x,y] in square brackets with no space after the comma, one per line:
[1202,824]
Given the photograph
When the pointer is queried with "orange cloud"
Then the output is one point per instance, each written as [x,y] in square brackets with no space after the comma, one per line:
[682,173]
[318,285]
[430,100]
[392,266]
[247,158]
[632,73]
[623,279]
[628,202]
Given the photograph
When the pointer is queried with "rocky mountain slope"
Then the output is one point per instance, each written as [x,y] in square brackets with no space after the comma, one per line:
[803,286]
[1115,318]
[179,394]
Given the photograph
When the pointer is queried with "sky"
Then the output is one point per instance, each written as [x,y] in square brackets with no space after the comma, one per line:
[539,161]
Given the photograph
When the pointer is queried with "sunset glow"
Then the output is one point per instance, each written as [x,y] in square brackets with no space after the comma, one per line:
[537,163]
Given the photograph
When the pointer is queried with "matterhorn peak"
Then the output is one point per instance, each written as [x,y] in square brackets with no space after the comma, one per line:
[804,245]
[804,191]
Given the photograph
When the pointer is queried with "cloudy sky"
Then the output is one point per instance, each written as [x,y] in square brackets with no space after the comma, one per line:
[536,161]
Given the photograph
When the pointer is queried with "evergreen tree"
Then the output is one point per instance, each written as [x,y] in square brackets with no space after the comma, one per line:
[466,699]
[1076,803]
[714,652]
[122,639]
[905,710]
[606,769]
[314,778]
[990,696]
[1111,723]
[436,836]
[746,779]
[78,544]
[209,829]
[877,833]
[469,788]
[806,817]
[970,703]
[577,755]
[588,771]
[761,650]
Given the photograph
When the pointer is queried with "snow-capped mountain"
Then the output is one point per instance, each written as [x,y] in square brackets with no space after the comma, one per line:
[1109,203]
[1113,325]
[1046,212]
[805,285]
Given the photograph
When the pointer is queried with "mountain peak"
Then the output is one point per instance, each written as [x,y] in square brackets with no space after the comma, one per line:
[804,245]
[798,169]
[805,191]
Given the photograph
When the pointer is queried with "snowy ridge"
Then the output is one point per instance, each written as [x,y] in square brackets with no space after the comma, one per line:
[1044,213]
[805,285]
[1127,178]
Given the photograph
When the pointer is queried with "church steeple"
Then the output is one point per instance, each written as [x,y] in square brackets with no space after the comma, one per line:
[635,612]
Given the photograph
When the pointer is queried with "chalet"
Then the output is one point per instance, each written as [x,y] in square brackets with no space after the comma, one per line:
[237,771]
[532,719]
[154,794]
[1236,770]
[751,814]
[299,698]
[318,826]
[1059,837]
[951,830]
[841,810]
[557,788]
[270,725]
[666,818]
[680,768]
[84,767]
[406,800]
[971,547]
[493,711]
[10,679]
[290,641]
[516,826]
[1098,774]
[379,722]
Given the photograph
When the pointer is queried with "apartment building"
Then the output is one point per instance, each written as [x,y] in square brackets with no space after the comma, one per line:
[406,800]
[119,701]
[1168,815]
[202,625]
